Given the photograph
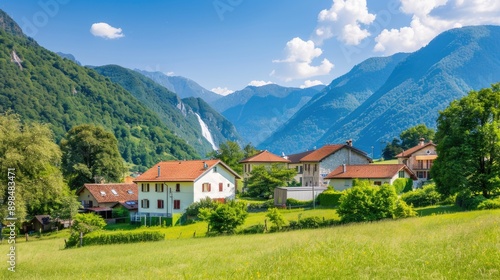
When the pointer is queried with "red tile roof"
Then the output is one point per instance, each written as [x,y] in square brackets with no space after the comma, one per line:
[181,171]
[325,151]
[369,171]
[264,156]
[415,149]
[104,193]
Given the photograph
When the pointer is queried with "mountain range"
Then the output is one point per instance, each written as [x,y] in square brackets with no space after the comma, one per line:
[381,97]
[257,112]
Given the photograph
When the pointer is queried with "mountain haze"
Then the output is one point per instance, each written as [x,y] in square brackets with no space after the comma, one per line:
[420,85]
[184,87]
[260,116]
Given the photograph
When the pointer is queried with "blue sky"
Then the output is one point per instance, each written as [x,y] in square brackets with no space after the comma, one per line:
[226,45]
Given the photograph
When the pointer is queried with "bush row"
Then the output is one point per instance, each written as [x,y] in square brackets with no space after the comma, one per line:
[329,198]
[426,196]
[116,237]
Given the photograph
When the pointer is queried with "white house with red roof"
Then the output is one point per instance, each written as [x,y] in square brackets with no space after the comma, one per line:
[170,187]
[419,159]
[343,176]
[319,163]
[265,158]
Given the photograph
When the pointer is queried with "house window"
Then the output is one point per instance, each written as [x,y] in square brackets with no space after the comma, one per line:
[145,187]
[114,192]
[377,183]
[221,187]
[177,187]
[315,167]
[177,204]
[103,193]
[206,187]
[159,187]
[160,204]
[130,192]
[215,168]
[401,174]
[145,203]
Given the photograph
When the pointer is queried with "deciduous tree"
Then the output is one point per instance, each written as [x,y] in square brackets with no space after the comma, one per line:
[263,179]
[468,137]
[29,152]
[90,153]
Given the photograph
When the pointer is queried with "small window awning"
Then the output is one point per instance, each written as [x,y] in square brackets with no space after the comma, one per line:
[426,157]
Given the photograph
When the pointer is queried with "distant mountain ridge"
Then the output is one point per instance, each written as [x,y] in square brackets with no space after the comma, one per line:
[261,115]
[176,114]
[182,86]
[421,84]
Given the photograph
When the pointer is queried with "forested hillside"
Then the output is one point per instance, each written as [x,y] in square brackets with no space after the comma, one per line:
[40,86]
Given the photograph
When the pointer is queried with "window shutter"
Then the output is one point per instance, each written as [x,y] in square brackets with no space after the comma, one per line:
[209,187]
[221,187]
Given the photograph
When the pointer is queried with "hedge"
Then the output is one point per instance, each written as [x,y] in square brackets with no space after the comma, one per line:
[329,198]
[120,237]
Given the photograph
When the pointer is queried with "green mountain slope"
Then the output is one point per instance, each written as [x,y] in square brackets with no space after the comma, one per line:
[174,112]
[452,64]
[43,87]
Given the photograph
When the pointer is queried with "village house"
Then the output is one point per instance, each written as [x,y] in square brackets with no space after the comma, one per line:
[170,187]
[419,159]
[343,176]
[101,198]
[319,163]
[297,165]
[263,158]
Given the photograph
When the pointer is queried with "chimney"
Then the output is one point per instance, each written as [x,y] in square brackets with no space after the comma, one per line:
[159,171]
[344,168]
[349,142]
[421,143]
[205,165]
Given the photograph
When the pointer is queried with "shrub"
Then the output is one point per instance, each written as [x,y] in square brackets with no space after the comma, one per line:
[89,222]
[253,229]
[422,197]
[120,237]
[468,200]
[403,210]
[194,209]
[292,202]
[226,217]
[310,222]
[329,198]
[276,218]
[370,203]
[260,205]
[490,204]
[403,185]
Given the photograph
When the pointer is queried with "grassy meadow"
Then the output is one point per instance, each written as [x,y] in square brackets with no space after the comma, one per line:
[462,245]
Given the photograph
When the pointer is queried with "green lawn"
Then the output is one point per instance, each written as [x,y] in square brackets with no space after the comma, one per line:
[464,245]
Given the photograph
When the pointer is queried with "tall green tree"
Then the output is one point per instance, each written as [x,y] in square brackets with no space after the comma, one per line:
[90,153]
[264,179]
[231,154]
[468,136]
[411,136]
[28,151]
[407,139]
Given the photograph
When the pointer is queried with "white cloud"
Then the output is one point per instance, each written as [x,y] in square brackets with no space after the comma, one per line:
[429,18]
[309,83]
[170,73]
[343,21]
[298,62]
[222,91]
[259,83]
[102,29]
